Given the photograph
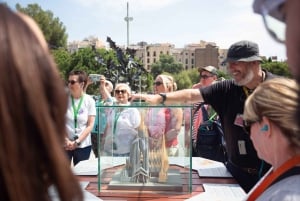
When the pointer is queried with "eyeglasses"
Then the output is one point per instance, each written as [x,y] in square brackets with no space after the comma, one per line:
[247,125]
[72,82]
[275,28]
[206,76]
[158,83]
[122,91]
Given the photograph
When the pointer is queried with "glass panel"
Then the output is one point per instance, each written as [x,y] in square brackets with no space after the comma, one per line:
[145,148]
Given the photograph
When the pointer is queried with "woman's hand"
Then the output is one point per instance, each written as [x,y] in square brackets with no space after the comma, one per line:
[70,145]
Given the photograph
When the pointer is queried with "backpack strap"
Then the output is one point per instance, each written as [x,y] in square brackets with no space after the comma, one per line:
[204,113]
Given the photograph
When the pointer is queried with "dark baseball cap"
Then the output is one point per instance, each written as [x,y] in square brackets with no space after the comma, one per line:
[243,51]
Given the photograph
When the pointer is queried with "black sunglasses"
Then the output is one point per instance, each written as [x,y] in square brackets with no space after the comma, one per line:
[122,91]
[247,125]
[158,83]
[205,76]
[72,82]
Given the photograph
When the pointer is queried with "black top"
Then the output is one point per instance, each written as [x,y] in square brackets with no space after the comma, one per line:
[228,100]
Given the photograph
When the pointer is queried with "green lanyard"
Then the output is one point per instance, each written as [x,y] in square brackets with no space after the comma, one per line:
[75,110]
[117,115]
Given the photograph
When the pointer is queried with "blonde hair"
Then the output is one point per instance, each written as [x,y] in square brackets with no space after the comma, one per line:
[168,82]
[277,100]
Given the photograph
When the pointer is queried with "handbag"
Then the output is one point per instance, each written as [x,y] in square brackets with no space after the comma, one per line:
[210,141]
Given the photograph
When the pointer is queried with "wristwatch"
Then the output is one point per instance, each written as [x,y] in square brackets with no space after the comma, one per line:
[164,97]
[77,141]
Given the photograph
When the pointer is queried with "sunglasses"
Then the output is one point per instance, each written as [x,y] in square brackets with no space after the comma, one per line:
[72,82]
[247,125]
[276,28]
[157,83]
[122,91]
[205,76]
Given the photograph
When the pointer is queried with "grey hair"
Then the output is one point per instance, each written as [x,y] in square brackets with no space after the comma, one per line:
[126,86]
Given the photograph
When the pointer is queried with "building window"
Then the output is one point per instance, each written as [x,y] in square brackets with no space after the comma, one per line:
[148,54]
[154,54]
[192,61]
[154,60]
[186,61]
[148,60]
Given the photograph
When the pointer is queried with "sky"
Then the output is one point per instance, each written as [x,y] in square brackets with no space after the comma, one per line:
[179,22]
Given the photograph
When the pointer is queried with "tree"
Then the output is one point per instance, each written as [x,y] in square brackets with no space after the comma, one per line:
[183,80]
[278,68]
[62,58]
[166,63]
[53,30]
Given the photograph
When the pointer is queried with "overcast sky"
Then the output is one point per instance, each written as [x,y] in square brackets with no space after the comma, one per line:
[179,22]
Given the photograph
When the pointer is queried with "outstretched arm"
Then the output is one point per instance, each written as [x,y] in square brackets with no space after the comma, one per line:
[185,96]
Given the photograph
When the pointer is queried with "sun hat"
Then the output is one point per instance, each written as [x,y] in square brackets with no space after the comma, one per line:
[271,7]
[243,51]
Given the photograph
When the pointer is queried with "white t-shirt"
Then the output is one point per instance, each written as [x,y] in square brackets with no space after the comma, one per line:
[122,128]
[86,109]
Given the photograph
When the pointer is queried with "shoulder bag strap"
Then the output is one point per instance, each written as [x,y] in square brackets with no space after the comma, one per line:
[204,113]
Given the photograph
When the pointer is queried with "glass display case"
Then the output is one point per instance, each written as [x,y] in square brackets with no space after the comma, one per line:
[145,148]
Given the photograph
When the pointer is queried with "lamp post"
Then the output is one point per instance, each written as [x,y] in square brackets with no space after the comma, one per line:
[128,19]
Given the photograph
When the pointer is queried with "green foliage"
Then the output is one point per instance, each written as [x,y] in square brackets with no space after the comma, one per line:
[224,75]
[183,80]
[193,74]
[62,59]
[166,63]
[278,68]
[53,30]
[98,61]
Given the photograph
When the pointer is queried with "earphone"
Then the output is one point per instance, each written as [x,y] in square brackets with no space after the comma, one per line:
[264,128]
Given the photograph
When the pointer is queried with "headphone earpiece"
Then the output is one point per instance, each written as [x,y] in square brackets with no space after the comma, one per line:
[265,128]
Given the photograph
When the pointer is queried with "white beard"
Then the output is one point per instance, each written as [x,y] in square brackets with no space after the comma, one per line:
[248,78]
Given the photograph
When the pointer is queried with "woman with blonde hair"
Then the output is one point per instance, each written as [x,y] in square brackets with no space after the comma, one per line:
[269,119]
[165,121]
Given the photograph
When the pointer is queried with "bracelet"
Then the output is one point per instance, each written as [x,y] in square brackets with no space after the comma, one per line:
[164,97]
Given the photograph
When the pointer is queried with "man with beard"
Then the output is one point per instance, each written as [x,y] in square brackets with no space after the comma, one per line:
[227,98]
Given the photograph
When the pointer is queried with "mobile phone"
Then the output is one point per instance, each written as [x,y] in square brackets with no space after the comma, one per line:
[95,77]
